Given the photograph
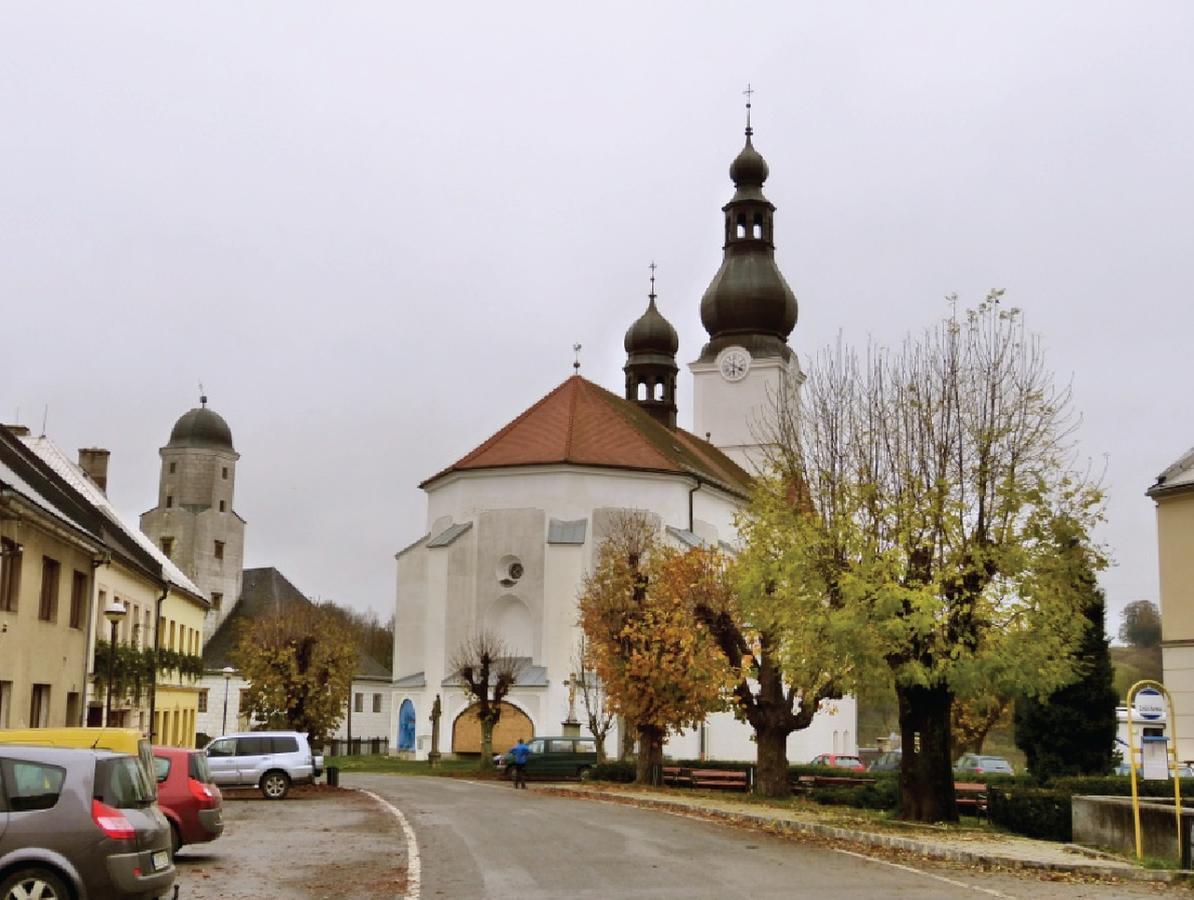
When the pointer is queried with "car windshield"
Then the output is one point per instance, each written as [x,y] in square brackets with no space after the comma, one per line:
[847,762]
[198,768]
[120,784]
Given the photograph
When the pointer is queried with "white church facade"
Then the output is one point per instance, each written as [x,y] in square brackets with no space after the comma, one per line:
[514,526]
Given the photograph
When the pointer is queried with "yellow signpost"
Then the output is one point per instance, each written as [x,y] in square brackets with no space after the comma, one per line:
[1149,693]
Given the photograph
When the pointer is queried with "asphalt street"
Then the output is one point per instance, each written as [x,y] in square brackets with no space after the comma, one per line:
[486,840]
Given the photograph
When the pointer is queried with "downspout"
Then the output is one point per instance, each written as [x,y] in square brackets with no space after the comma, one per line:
[157,645]
[696,486]
[89,646]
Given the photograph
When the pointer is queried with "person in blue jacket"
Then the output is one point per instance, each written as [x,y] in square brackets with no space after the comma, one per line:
[520,752]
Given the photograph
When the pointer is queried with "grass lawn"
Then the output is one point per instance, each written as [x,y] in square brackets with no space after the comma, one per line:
[396,766]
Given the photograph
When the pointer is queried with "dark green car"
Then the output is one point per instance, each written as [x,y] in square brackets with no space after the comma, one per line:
[555,758]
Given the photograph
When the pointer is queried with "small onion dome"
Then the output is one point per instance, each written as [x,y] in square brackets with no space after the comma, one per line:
[749,169]
[652,333]
[201,427]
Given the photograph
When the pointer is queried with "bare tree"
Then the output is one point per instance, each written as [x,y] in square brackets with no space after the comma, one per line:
[488,670]
[598,713]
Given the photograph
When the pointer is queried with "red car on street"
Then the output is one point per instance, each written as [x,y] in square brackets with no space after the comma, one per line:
[839,761]
[188,797]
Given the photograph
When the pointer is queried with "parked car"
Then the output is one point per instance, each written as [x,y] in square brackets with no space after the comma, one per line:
[187,796]
[1184,770]
[977,764]
[79,825]
[839,761]
[269,760]
[118,740]
[555,757]
[886,762]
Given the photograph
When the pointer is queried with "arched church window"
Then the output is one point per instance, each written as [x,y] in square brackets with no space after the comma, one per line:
[741,226]
[758,226]
[642,390]
[659,390]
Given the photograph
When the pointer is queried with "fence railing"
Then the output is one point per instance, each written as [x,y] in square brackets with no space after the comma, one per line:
[376,746]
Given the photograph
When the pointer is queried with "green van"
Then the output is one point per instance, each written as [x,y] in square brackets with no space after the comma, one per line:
[555,758]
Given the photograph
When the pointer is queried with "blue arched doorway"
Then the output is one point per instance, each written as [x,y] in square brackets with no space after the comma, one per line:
[406,726]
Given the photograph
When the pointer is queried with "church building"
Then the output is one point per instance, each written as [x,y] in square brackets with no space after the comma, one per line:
[514,525]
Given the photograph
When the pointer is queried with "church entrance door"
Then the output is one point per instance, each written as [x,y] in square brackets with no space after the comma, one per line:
[514,724]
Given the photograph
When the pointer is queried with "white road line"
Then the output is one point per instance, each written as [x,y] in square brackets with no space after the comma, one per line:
[915,871]
[413,866]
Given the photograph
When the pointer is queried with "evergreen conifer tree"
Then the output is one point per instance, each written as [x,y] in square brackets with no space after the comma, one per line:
[1072,732]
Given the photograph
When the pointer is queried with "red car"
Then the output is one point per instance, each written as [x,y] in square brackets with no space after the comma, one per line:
[187,795]
[839,761]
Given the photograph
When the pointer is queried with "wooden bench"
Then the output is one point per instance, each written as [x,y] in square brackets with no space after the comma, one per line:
[808,782]
[971,796]
[728,779]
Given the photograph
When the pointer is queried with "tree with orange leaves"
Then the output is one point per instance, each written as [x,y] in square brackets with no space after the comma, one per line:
[661,668]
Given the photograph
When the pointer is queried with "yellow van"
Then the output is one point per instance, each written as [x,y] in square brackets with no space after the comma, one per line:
[119,740]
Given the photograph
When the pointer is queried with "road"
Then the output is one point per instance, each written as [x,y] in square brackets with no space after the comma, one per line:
[486,840]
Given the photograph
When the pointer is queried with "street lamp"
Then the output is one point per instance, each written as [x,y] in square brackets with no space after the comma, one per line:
[228,672]
[114,613]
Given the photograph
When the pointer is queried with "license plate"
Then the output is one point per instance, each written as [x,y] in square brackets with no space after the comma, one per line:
[161,860]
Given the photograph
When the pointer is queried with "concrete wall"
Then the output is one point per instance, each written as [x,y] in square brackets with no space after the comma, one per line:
[1108,823]
[1175,557]
[367,723]
[33,652]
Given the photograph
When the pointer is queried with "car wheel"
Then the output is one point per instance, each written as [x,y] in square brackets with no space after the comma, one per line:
[24,884]
[275,785]
[584,773]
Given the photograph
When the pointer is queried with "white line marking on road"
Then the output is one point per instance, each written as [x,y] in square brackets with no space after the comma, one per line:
[915,871]
[413,866]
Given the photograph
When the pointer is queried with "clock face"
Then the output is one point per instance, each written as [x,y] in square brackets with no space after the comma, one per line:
[734,364]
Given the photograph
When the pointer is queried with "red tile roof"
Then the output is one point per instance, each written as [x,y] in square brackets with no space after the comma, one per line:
[583,424]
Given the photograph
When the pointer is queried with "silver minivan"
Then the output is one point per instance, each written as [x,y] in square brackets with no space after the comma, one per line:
[79,824]
[269,760]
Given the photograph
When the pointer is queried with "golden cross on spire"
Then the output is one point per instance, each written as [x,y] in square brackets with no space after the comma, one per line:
[652,267]
[576,363]
[748,92]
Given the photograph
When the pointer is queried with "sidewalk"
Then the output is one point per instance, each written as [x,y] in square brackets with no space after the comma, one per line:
[980,848]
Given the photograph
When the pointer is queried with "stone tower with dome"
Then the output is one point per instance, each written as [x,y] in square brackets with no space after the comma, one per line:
[748,311]
[194,522]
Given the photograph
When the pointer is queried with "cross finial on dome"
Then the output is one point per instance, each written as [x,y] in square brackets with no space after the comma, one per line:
[749,90]
[576,362]
[652,267]
[202,395]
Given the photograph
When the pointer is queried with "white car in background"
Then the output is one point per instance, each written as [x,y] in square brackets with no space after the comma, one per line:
[269,760]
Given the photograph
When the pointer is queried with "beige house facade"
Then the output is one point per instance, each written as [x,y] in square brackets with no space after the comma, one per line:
[1173,494]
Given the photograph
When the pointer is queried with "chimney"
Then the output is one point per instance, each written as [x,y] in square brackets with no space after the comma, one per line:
[94,463]
[17,430]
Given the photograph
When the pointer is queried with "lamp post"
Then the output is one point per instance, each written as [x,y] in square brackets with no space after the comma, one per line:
[114,613]
[228,670]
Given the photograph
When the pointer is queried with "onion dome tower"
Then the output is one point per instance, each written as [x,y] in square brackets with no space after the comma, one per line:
[748,304]
[651,344]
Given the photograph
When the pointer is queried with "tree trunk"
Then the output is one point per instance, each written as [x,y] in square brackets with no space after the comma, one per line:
[625,739]
[926,764]
[650,754]
[486,746]
[771,776]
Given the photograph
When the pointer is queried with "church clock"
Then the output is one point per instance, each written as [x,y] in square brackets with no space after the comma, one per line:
[733,363]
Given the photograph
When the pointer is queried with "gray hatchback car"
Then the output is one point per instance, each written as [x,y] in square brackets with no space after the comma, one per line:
[79,824]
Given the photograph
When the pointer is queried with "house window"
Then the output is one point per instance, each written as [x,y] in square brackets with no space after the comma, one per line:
[73,709]
[221,506]
[358,702]
[173,467]
[169,500]
[217,600]
[168,545]
[377,703]
[170,646]
[78,598]
[225,473]
[203,700]
[10,574]
[5,702]
[47,609]
[219,549]
[39,706]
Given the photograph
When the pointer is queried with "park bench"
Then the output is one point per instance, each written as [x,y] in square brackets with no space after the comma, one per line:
[727,779]
[808,782]
[971,796]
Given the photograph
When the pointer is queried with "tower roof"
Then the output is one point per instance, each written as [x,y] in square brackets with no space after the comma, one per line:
[651,333]
[201,427]
[580,423]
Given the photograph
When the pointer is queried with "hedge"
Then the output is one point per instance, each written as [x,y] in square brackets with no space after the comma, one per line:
[1034,812]
[883,794]
[613,770]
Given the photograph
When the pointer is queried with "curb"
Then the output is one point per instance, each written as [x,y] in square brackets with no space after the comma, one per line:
[894,842]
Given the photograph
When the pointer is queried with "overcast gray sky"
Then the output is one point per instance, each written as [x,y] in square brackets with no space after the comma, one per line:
[374,231]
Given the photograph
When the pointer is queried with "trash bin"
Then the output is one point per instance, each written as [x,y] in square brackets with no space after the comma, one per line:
[333,776]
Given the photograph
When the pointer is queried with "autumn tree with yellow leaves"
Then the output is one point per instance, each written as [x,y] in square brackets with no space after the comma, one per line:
[661,668]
